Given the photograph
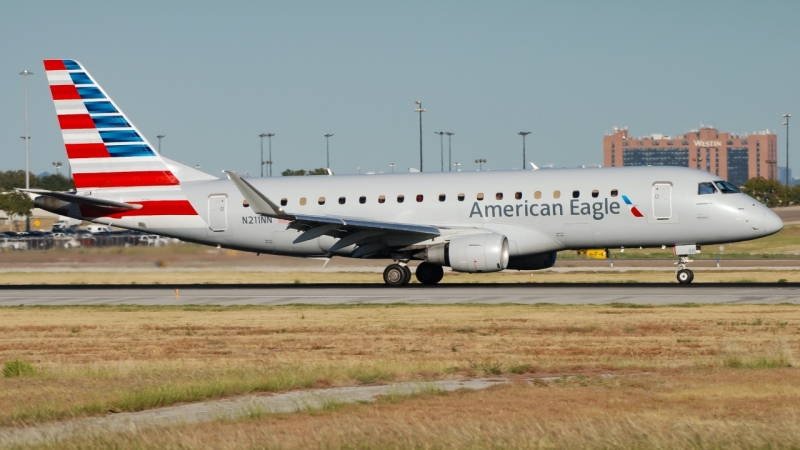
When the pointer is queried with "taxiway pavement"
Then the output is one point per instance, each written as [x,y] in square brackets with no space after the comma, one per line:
[658,294]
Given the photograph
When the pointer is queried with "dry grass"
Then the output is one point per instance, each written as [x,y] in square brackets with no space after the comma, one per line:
[89,360]
[248,277]
[684,408]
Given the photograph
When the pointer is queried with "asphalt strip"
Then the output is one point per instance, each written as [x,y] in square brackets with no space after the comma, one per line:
[209,411]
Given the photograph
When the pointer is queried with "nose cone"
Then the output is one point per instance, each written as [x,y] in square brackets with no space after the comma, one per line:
[772,223]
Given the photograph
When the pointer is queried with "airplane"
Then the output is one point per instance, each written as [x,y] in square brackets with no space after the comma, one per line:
[473,222]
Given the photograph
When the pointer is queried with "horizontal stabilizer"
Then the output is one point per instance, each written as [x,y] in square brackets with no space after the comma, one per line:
[82,199]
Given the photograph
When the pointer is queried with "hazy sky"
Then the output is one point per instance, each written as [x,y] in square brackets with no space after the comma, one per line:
[212,76]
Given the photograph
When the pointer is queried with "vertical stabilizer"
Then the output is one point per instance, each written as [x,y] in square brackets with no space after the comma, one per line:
[104,148]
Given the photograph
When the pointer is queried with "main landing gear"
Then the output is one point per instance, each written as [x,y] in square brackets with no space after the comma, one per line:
[685,276]
[399,274]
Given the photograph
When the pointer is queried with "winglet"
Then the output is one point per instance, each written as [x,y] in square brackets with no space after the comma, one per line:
[534,166]
[258,201]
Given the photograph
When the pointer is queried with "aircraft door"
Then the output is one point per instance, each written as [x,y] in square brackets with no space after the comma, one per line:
[662,201]
[218,213]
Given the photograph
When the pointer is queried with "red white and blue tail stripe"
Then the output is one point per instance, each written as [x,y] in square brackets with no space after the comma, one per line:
[108,156]
[104,149]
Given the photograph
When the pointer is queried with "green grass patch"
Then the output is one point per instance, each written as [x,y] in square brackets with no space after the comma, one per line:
[18,368]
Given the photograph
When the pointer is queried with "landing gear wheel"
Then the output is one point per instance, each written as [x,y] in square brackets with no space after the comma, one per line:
[396,275]
[428,273]
[407,270]
[685,276]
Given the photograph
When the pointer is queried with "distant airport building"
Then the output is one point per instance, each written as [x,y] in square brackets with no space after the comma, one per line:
[735,158]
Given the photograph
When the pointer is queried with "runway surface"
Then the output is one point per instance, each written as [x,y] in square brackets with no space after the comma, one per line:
[658,294]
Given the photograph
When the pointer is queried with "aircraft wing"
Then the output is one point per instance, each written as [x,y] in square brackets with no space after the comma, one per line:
[350,230]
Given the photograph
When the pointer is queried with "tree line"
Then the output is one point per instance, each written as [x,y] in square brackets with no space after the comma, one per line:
[772,192]
[16,179]
[18,203]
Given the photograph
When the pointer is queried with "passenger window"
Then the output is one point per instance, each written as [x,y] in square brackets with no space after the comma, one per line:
[614,192]
[321,200]
[245,203]
[595,193]
[342,200]
[419,198]
[442,197]
[461,197]
[480,196]
[362,199]
[537,195]
[283,202]
[706,188]
[556,194]
[727,188]
[302,201]
[382,199]
[518,195]
[498,196]
[576,194]
[400,198]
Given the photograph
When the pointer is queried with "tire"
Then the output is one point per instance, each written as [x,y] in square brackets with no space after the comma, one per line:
[407,270]
[429,274]
[685,276]
[395,275]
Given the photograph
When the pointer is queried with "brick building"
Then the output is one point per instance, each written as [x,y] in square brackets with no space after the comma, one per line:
[735,158]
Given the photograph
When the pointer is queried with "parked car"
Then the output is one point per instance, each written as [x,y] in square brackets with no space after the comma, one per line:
[13,244]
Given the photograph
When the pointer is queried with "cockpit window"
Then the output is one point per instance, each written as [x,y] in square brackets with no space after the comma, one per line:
[727,188]
[706,188]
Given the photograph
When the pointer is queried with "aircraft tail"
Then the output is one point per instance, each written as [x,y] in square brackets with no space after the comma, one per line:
[104,148]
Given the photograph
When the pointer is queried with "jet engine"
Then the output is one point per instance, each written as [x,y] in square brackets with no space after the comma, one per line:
[485,252]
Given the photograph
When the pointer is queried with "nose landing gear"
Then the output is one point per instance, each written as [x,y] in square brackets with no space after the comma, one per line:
[685,276]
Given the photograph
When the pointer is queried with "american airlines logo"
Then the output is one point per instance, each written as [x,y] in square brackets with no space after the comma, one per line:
[699,143]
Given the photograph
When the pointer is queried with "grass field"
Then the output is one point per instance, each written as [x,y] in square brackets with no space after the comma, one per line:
[686,375]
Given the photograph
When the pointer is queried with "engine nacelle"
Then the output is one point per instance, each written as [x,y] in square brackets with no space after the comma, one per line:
[533,262]
[485,252]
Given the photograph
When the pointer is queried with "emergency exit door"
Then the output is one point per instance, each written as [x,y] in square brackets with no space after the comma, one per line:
[218,212]
[662,201]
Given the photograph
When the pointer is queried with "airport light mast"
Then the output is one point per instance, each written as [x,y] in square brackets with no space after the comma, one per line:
[523,134]
[327,149]
[27,138]
[449,150]
[160,136]
[420,110]
[787,116]
[441,146]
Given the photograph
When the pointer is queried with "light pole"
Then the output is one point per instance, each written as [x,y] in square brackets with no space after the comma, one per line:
[327,149]
[523,134]
[457,164]
[392,166]
[160,136]
[480,161]
[57,165]
[27,138]
[420,110]
[269,138]
[787,116]
[262,136]
[441,145]
[449,150]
